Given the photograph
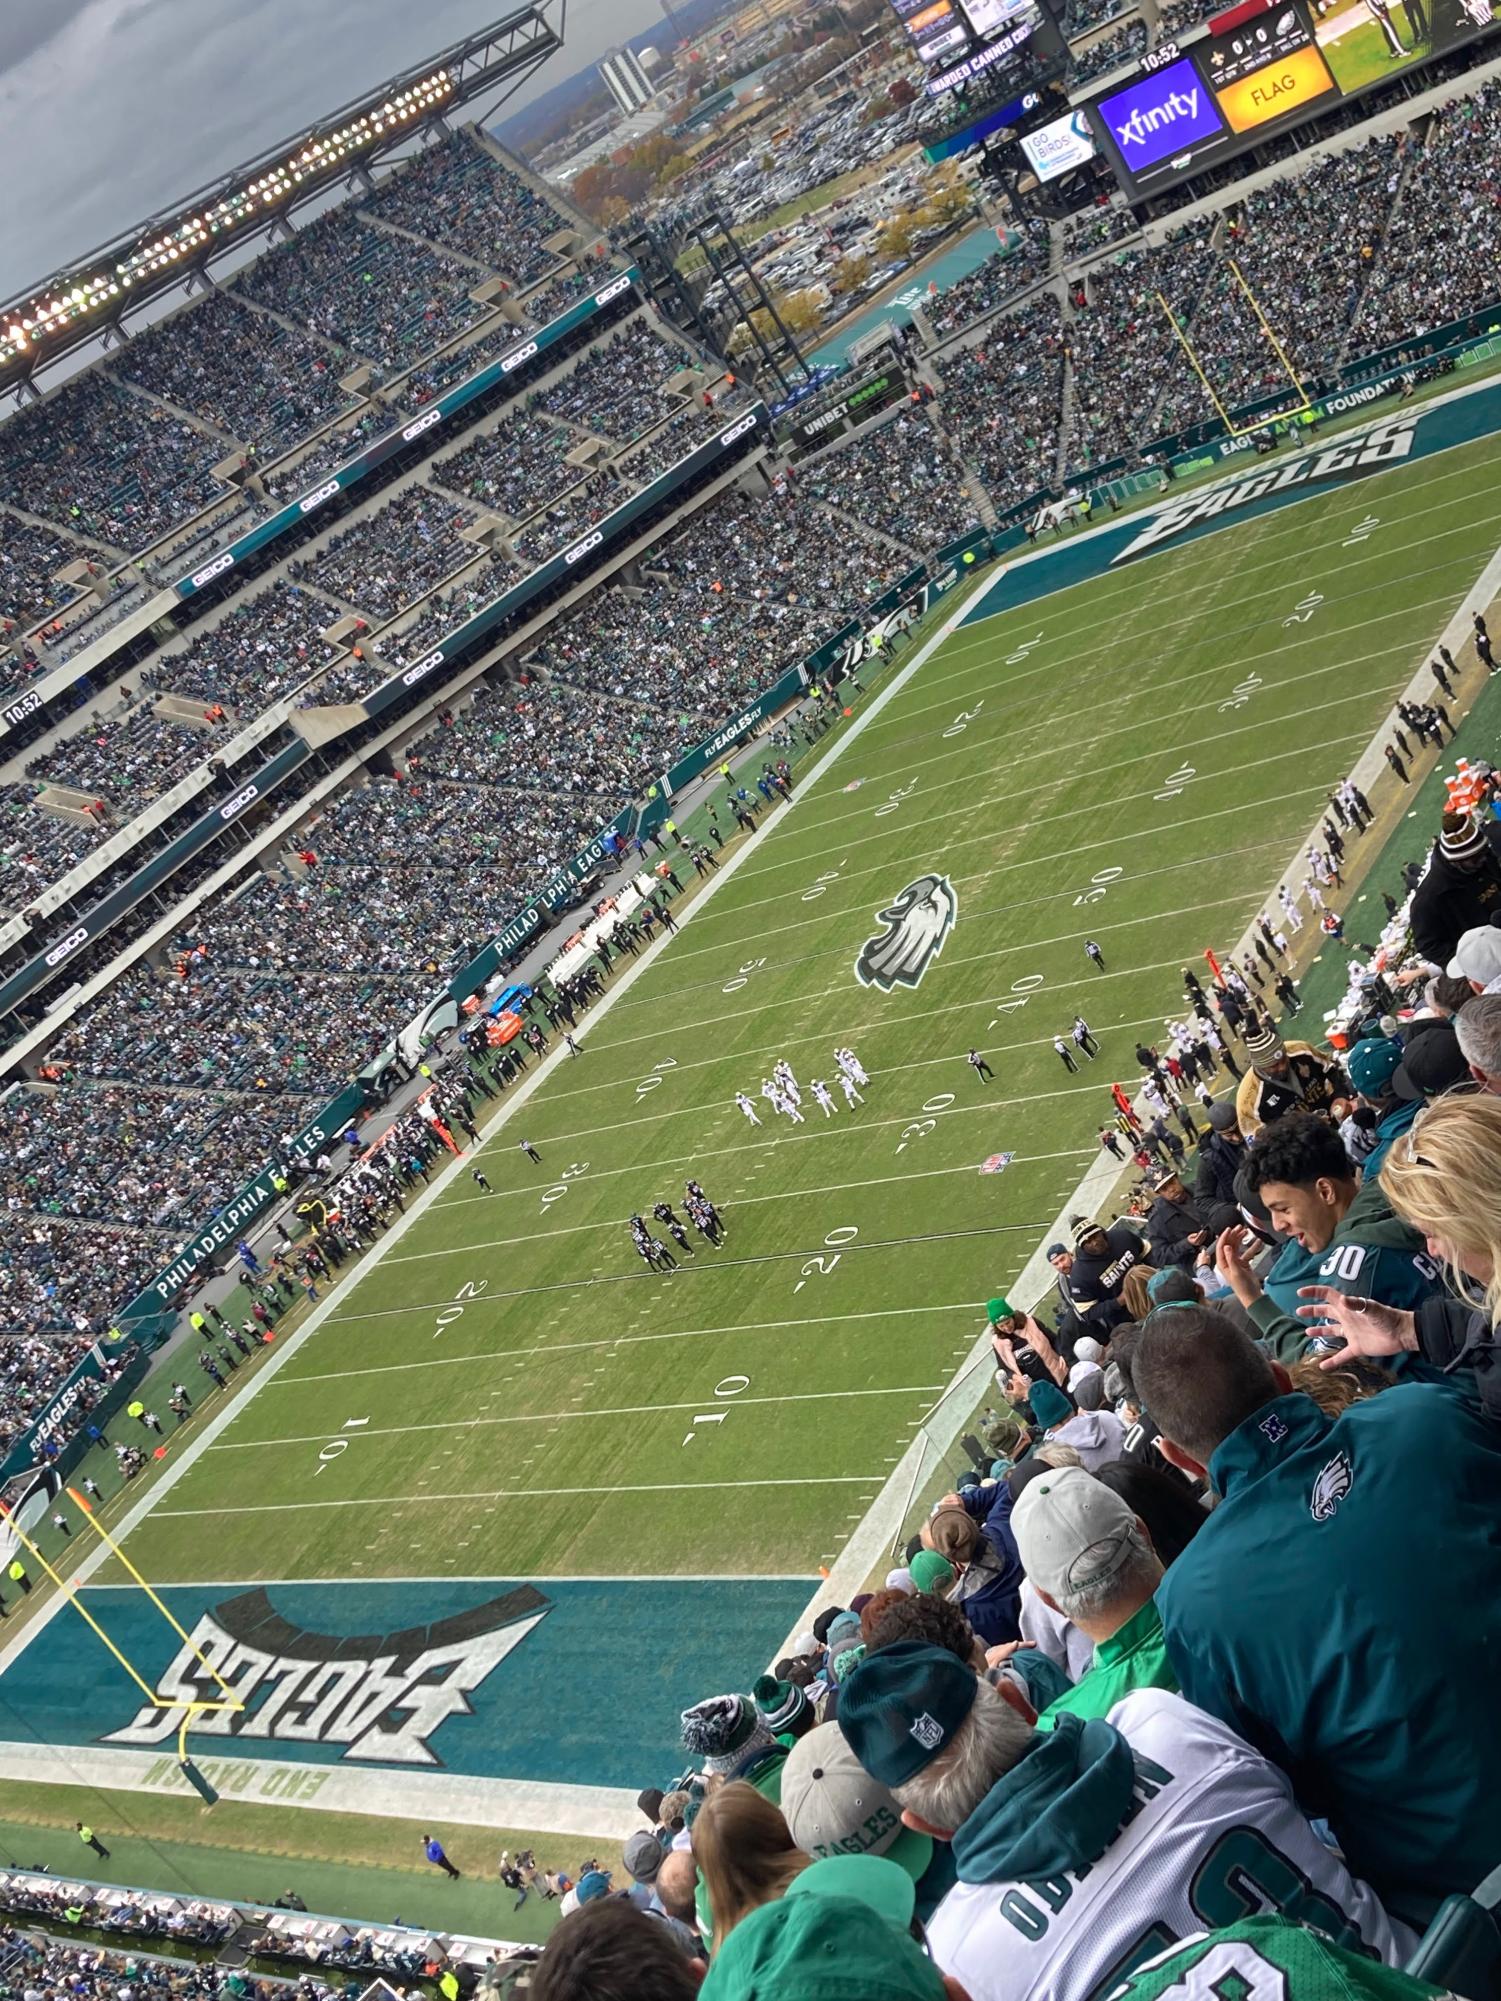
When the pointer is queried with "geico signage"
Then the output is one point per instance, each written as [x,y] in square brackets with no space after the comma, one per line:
[68,947]
[423,667]
[240,801]
[581,549]
[746,423]
[613,290]
[211,570]
[325,492]
[515,360]
[424,423]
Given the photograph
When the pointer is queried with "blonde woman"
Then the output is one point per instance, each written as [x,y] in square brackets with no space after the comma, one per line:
[745,1853]
[1443,1176]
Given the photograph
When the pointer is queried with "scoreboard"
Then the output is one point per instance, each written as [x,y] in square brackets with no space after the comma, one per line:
[1263,67]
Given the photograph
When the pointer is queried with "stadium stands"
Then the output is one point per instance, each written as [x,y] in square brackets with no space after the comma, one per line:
[623,681]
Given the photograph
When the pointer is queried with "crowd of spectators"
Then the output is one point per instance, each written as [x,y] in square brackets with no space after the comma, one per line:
[618,389]
[1113,1661]
[903,478]
[263,647]
[460,196]
[1111,51]
[548,737]
[1438,262]
[991,285]
[131,759]
[1122,350]
[386,561]
[264,383]
[1079,17]
[1341,203]
[514,466]
[1003,400]
[1176,17]
[36,847]
[134,1154]
[1094,229]
[383,298]
[112,466]
[30,557]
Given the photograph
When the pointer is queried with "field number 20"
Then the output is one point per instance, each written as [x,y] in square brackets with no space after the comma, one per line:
[845,1234]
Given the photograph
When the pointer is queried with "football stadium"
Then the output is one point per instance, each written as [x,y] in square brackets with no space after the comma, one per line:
[750,974]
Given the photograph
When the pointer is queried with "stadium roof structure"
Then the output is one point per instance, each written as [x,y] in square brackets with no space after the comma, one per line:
[94,294]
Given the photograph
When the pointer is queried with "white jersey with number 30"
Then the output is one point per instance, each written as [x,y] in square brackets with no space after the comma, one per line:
[1216,1838]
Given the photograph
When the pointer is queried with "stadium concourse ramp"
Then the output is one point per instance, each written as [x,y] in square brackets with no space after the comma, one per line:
[526,1702]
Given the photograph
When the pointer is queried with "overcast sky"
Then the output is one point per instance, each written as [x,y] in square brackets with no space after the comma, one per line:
[115,109]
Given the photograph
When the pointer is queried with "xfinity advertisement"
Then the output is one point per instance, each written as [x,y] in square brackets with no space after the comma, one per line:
[1161,126]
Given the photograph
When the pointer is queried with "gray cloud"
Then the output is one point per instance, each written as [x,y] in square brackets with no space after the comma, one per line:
[116,109]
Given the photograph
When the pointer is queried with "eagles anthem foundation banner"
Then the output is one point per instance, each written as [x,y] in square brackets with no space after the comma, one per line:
[349,1687]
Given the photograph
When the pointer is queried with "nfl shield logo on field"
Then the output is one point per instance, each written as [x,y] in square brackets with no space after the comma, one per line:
[928,1731]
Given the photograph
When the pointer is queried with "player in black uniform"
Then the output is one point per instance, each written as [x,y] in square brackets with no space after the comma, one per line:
[664,1214]
[704,1217]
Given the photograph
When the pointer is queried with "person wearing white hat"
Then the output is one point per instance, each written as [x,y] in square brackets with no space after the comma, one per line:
[1090,1558]
[1477,959]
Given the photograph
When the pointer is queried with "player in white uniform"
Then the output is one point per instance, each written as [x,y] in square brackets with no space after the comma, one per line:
[747,1107]
[851,1065]
[1290,909]
[783,1104]
[789,1084]
[1087,1848]
[822,1096]
[847,1085]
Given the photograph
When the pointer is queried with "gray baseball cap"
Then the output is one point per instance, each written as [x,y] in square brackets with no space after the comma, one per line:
[1071,1530]
[834,1807]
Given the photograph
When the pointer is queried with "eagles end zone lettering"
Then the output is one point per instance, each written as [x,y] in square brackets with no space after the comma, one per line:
[381,1697]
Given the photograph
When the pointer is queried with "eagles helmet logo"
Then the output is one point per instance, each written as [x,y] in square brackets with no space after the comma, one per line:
[1334,1481]
[917,923]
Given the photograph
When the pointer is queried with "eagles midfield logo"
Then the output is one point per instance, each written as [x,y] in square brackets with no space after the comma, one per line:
[382,1697]
[917,924]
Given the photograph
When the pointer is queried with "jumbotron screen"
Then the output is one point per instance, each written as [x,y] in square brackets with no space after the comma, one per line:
[1261,73]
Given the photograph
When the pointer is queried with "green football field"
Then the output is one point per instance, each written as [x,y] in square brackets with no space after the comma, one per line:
[508,1392]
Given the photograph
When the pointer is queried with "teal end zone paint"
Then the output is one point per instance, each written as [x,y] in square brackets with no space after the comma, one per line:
[1468,418]
[567,1681]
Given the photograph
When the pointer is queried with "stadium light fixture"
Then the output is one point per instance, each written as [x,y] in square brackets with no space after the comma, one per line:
[32,325]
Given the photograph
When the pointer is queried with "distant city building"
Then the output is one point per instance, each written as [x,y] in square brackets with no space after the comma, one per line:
[626,80]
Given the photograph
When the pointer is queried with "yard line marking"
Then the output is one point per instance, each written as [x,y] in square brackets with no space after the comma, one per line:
[555,1417]
[920,823]
[851,809]
[853,875]
[1092,980]
[736,1202]
[670,1334]
[729,1264]
[1069,635]
[519,1494]
[1461,475]
[1114,842]
[975,879]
